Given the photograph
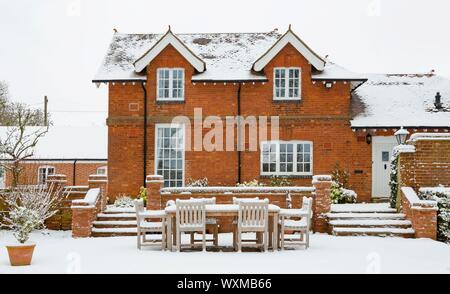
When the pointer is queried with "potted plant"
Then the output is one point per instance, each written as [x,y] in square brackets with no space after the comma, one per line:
[28,208]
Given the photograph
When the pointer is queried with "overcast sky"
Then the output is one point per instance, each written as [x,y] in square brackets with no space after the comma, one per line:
[54,47]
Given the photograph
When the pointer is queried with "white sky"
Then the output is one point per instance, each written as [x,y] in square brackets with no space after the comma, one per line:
[54,47]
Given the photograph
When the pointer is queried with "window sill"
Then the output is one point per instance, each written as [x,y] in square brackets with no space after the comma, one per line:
[286,176]
[164,101]
[287,99]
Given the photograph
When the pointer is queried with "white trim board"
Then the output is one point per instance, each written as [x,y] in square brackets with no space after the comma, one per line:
[298,44]
[169,38]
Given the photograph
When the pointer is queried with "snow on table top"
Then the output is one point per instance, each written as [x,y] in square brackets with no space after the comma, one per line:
[362,207]
[69,142]
[401,100]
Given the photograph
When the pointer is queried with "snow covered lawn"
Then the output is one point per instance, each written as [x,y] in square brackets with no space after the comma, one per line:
[57,252]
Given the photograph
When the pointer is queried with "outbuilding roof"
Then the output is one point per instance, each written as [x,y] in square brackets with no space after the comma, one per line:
[395,100]
[69,142]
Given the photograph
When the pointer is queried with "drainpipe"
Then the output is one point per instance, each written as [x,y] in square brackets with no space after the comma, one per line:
[239,132]
[145,135]
[74,172]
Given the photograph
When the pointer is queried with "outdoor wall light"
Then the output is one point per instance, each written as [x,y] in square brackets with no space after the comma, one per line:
[369,139]
[401,135]
[328,85]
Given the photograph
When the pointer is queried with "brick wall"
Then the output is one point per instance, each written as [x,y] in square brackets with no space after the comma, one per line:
[29,175]
[428,166]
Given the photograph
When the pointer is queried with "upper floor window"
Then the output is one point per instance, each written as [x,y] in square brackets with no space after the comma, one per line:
[170,84]
[286,158]
[287,82]
[43,173]
[102,171]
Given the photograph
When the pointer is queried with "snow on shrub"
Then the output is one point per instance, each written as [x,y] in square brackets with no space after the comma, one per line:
[28,208]
[124,202]
[339,192]
[442,196]
[198,183]
[253,183]
[393,179]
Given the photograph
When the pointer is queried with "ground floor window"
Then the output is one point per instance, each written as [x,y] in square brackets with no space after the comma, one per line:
[102,171]
[44,172]
[169,155]
[286,158]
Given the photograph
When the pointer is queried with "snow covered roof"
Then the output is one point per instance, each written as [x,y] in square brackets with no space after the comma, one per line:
[228,56]
[294,40]
[70,142]
[401,100]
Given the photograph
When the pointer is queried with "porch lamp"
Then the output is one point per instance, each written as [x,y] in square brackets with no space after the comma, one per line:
[401,135]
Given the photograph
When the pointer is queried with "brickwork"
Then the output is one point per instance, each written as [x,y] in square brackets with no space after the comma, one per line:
[29,174]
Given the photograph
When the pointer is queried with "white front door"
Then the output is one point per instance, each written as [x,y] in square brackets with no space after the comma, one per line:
[381,158]
[2,177]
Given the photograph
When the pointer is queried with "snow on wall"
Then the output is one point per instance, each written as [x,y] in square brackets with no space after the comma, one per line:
[237,189]
[429,136]
[401,100]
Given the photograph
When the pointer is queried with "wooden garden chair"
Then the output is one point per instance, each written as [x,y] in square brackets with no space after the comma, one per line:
[296,220]
[190,218]
[144,227]
[211,224]
[253,216]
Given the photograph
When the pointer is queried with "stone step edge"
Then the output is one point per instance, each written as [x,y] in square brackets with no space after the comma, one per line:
[366,215]
[373,230]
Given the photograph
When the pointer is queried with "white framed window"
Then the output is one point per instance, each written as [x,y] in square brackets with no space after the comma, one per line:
[170,85]
[169,154]
[287,83]
[44,172]
[286,158]
[102,171]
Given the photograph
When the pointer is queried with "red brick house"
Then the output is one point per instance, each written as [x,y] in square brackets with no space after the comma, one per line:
[327,114]
[74,151]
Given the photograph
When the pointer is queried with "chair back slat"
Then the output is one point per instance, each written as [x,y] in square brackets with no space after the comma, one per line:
[253,213]
[190,212]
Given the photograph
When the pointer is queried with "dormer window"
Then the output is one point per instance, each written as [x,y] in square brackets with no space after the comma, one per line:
[287,82]
[170,84]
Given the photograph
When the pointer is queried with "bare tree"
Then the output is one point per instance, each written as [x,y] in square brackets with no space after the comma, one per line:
[10,111]
[19,143]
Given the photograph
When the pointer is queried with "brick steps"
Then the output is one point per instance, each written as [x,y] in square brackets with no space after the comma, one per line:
[114,222]
[376,219]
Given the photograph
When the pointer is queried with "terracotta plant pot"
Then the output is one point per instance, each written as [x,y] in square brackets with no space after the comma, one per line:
[20,254]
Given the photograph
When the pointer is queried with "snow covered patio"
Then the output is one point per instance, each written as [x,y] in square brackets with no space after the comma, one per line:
[57,252]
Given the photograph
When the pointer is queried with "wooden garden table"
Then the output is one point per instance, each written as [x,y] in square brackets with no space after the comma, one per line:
[218,210]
